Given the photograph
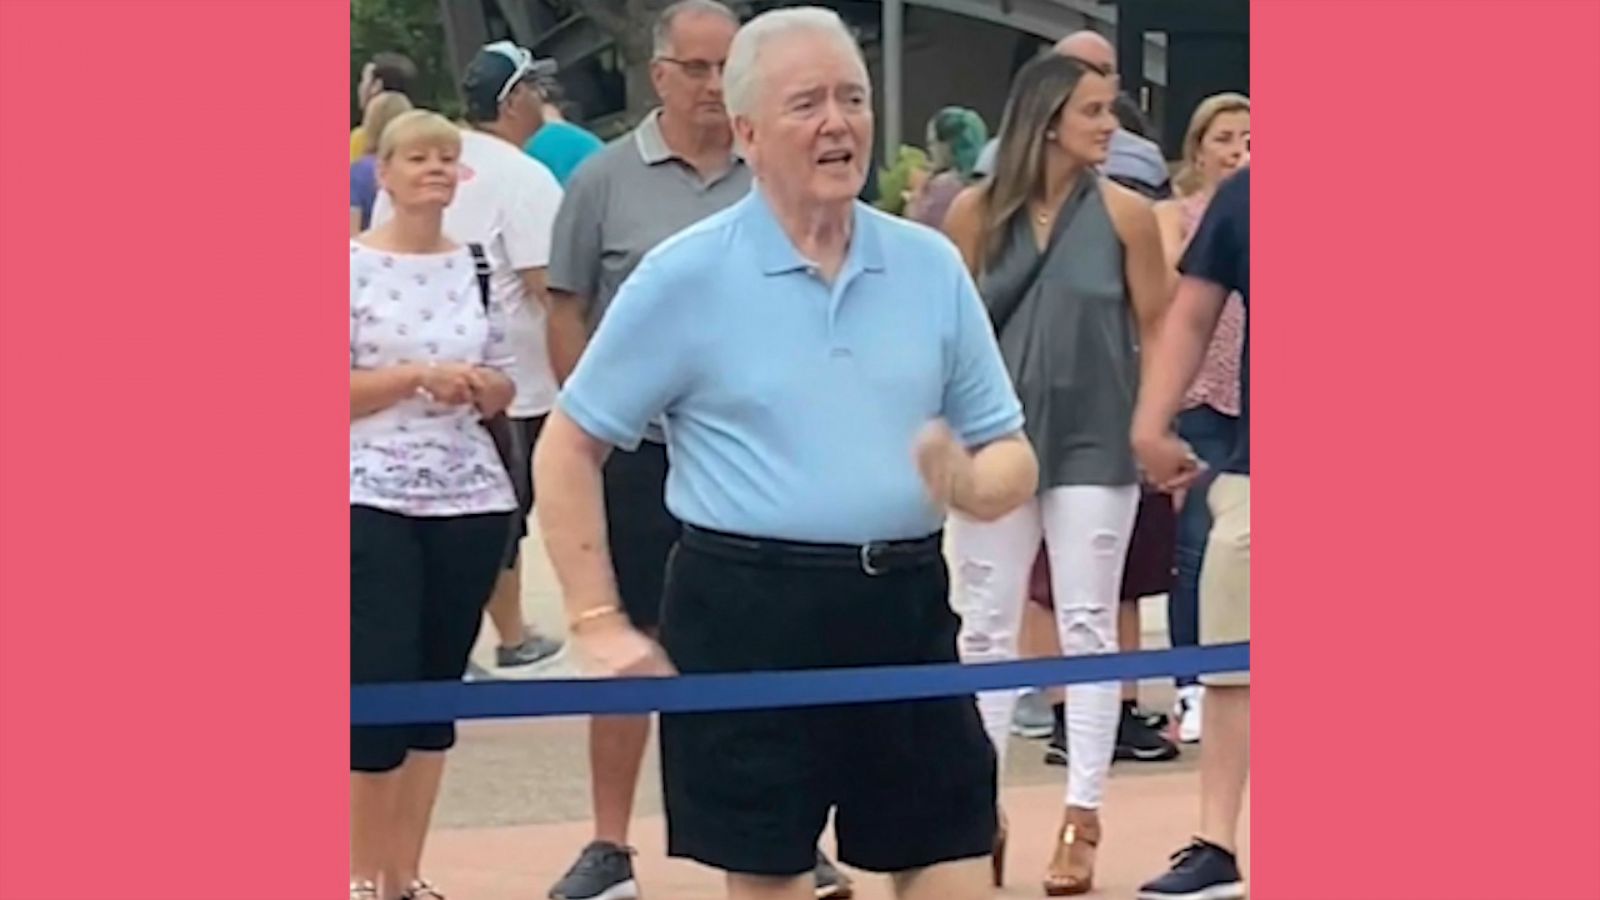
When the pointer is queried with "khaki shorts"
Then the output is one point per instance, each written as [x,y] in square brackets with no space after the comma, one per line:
[1225,572]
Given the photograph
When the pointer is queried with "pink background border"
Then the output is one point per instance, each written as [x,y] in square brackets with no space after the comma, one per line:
[172,628]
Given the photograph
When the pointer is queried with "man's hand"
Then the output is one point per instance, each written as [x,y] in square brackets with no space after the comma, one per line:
[944,464]
[611,648]
[1168,462]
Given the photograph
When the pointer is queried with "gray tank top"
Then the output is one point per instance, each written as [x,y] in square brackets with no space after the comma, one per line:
[1066,329]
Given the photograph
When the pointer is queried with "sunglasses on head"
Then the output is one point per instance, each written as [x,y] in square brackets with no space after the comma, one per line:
[526,66]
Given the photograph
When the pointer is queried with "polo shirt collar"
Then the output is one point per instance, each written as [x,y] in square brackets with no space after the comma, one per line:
[777,254]
[653,147]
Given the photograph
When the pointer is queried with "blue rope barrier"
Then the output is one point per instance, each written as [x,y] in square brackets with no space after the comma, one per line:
[422,702]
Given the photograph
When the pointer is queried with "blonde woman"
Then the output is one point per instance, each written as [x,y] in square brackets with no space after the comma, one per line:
[381,110]
[1216,145]
[430,500]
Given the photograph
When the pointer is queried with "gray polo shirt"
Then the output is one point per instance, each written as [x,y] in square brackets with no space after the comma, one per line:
[621,203]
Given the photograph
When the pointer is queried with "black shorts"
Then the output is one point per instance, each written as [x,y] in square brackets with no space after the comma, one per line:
[639,529]
[912,782]
[524,435]
[417,591]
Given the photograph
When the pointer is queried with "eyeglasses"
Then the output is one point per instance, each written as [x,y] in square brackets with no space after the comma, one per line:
[698,69]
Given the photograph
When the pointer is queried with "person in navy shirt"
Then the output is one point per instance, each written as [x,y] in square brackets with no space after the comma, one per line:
[1216,263]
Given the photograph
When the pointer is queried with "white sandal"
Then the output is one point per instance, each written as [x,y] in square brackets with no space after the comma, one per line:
[363,890]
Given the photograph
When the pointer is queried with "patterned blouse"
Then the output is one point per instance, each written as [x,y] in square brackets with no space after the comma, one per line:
[418,457]
[1217,385]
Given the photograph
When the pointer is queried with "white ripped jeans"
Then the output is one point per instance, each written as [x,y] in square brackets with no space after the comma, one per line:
[1086,530]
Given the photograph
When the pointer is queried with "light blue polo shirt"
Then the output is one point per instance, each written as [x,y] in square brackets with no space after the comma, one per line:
[792,405]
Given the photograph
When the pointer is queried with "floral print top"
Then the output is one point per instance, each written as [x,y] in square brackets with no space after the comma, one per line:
[1217,385]
[418,457]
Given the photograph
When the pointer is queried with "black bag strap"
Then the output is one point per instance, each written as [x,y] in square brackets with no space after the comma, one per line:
[1002,309]
[480,266]
[498,426]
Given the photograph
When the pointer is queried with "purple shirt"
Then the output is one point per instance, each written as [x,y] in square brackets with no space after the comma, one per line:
[364,187]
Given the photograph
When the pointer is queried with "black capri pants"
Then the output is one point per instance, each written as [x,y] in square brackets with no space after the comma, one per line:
[418,587]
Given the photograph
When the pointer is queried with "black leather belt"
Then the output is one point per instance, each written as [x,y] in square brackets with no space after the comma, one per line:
[873,558]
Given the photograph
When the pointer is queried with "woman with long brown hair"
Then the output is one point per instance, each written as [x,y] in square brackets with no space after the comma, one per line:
[1070,267]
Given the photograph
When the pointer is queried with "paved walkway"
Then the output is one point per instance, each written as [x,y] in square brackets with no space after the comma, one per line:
[515,806]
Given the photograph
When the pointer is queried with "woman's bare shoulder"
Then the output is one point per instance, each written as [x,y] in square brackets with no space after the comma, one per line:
[1123,201]
[1131,212]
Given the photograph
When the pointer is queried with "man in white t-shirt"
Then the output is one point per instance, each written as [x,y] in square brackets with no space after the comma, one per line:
[507,202]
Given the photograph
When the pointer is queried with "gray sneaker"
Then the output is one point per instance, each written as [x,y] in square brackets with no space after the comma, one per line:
[534,648]
[603,871]
[832,884]
[1032,718]
[476,672]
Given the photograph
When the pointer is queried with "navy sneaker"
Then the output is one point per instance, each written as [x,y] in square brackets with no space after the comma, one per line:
[603,871]
[1200,871]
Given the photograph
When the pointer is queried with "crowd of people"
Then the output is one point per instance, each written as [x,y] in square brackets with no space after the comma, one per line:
[765,426]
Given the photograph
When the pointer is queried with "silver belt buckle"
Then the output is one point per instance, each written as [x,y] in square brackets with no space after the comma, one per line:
[866,560]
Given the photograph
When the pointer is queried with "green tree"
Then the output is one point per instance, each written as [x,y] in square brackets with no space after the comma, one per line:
[412,27]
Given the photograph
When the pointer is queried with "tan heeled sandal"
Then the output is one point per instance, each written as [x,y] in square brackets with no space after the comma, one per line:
[1071,870]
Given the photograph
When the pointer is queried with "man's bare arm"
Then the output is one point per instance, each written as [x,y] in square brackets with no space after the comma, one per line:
[566,474]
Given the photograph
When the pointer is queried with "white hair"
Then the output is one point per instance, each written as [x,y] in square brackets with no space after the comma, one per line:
[741,78]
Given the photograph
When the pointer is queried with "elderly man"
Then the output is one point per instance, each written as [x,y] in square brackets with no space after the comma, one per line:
[830,385]
[676,168]
[1135,162]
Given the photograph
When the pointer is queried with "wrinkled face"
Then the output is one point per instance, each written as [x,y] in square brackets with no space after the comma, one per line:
[1224,147]
[420,174]
[688,78]
[1084,127]
[810,134]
